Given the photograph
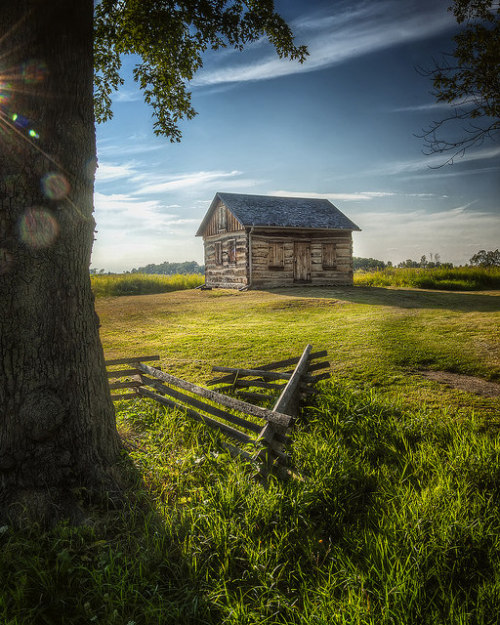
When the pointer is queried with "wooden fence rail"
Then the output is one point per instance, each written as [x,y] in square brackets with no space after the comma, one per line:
[248,425]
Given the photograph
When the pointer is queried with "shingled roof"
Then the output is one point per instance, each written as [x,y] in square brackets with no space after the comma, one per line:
[281,212]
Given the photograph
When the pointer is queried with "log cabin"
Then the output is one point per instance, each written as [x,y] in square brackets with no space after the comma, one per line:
[260,241]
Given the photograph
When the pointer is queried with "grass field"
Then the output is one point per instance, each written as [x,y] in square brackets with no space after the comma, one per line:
[446,279]
[109,285]
[396,522]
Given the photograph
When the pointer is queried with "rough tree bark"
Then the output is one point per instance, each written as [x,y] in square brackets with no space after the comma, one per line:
[57,425]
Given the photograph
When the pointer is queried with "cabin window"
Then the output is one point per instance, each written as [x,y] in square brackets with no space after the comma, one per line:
[231,251]
[218,253]
[222,217]
[329,256]
[276,256]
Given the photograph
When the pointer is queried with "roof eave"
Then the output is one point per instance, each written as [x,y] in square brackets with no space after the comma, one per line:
[275,227]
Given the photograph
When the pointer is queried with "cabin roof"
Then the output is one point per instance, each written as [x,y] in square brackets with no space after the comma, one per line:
[281,212]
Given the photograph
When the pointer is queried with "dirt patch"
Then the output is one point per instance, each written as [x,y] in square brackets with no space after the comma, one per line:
[468,383]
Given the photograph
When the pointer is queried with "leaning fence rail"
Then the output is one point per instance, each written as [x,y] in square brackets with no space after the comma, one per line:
[248,425]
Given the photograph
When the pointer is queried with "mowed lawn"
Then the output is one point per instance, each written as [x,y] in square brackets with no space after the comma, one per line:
[378,338]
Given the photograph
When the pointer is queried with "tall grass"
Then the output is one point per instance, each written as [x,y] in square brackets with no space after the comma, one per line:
[396,521]
[142,284]
[455,279]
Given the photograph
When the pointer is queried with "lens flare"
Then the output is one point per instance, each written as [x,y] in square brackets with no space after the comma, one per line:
[55,186]
[38,228]
[34,72]
[5,92]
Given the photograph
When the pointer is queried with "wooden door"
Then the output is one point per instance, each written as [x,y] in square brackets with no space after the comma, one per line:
[302,261]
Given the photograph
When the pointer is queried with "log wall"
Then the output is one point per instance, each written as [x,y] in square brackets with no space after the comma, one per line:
[266,275]
[232,271]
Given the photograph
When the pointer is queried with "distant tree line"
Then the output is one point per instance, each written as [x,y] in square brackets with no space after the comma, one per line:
[486,259]
[483,258]
[170,269]
[369,264]
[164,269]
[433,261]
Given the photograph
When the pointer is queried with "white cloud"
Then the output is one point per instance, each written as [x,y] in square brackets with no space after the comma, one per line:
[431,106]
[129,145]
[334,39]
[110,171]
[128,95]
[346,197]
[158,183]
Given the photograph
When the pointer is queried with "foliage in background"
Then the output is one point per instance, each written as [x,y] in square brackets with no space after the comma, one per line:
[447,279]
[469,80]
[105,285]
[368,264]
[168,269]
[486,259]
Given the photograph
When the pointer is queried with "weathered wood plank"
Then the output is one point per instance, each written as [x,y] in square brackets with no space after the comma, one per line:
[117,397]
[241,383]
[225,378]
[261,373]
[227,429]
[132,360]
[122,373]
[125,385]
[279,419]
[287,401]
[278,364]
[196,403]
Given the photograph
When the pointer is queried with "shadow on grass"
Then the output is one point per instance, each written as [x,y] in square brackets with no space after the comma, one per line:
[125,564]
[399,298]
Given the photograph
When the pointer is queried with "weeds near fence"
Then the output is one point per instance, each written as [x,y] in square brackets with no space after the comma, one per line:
[454,279]
[142,284]
[397,522]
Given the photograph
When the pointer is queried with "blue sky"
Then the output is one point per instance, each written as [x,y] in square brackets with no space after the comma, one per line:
[341,126]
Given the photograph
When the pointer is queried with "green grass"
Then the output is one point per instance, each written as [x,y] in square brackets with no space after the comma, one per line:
[455,279]
[396,521]
[107,285]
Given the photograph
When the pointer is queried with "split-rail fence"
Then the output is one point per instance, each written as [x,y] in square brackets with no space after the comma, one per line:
[257,433]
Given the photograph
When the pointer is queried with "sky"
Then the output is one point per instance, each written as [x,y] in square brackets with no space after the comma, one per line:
[341,126]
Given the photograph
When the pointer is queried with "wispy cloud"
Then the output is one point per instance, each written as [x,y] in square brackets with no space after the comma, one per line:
[350,32]
[112,171]
[155,183]
[346,197]
[123,214]
[431,106]
[128,95]
[435,162]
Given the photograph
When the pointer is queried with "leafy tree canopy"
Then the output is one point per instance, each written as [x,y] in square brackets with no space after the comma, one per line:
[486,259]
[367,264]
[170,37]
[469,79]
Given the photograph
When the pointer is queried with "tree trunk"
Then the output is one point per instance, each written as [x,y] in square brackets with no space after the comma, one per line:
[57,424]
